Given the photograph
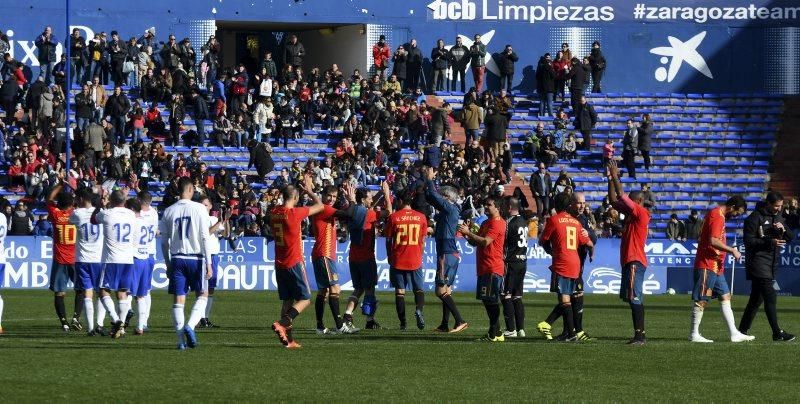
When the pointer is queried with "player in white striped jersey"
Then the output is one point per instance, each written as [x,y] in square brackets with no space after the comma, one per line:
[118,247]
[184,238]
[3,233]
[150,215]
[88,257]
[142,277]
[219,228]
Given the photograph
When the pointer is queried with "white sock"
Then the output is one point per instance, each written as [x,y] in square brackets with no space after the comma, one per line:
[88,308]
[141,306]
[124,307]
[130,300]
[147,303]
[1,312]
[101,312]
[727,314]
[208,306]
[697,317]
[177,319]
[198,310]
[108,304]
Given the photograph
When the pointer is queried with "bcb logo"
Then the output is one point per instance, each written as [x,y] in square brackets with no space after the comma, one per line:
[453,10]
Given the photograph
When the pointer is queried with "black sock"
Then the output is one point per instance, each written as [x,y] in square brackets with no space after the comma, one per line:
[509,315]
[319,310]
[419,299]
[451,306]
[445,314]
[569,321]
[400,305]
[637,313]
[577,312]
[519,313]
[61,312]
[333,302]
[493,310]
[554,315]
[78,305]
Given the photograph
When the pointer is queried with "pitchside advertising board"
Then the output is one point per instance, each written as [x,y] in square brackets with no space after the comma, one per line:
[248,264]
[691,46]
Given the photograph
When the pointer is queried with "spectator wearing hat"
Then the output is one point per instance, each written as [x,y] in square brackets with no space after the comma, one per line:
[692,225]
[380,56]
[597,62]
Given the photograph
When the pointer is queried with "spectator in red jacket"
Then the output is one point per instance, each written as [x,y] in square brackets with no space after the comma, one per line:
[561,67]
[380,53]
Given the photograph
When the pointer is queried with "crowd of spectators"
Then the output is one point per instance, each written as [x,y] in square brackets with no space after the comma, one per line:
[120,135]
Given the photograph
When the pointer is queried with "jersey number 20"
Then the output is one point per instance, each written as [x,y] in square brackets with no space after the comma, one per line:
[407,234]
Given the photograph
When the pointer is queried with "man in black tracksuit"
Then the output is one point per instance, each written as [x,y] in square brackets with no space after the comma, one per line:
[765,234]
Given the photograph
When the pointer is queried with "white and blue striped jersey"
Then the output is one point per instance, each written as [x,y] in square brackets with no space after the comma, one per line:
[89,246]
[150,216]
[184,229]
[119,230]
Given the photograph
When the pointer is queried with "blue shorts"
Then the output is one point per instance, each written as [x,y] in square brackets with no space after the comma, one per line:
[400,279]
[187,274]
[60,276]
[489,288]
[142,277]
[630,290]
[447,269]
[212,283]
[117,277]
[87,275]
[708,285]
[293,282]
[325,272]
[364,274]
[562,285]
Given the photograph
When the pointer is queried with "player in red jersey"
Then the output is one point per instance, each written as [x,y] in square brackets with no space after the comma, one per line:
[290,271]
[323,258]
[362,226]
[709,267]
[632,256]
[490,264]
[563,235]
[405,232]
[65,234]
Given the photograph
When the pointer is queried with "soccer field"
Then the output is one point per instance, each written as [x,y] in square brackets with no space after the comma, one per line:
[243,360]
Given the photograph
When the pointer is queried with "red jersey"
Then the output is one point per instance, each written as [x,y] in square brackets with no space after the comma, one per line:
[366,250]
[634,235]
[707,256]
[324,224]
[491,259]
[285,225]
[406,230]
[64,234]
[565,235]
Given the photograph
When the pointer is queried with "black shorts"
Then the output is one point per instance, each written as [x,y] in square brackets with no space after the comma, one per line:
[515,279]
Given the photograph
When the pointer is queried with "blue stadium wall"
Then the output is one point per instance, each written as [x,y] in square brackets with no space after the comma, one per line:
[249,265]
[747,47]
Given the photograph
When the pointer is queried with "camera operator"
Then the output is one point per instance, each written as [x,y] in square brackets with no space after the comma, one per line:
[765,235]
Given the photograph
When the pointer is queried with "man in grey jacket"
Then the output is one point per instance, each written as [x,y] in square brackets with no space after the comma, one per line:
[630,143]
[477,55]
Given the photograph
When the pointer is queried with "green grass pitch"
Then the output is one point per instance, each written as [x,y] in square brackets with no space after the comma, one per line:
[243,361]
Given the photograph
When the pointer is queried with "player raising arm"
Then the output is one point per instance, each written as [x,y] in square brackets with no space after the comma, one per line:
[184,242]
[290,270]
[405,234]
[59,209]
[362,227]
[490,241]
[632,255]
